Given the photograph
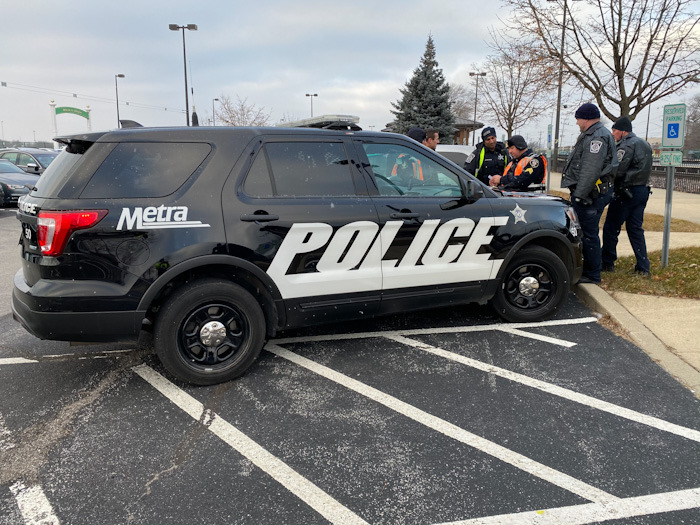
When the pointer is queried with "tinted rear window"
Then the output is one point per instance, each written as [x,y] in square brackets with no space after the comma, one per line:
[145,170]
[300,169]
[57,174]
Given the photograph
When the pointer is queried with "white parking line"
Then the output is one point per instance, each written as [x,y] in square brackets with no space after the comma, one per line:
[313,496]
[595,512]
[504,327]
[538,337]
[16,361]
[446,428]
[583,399]
[33,505]
[57,357]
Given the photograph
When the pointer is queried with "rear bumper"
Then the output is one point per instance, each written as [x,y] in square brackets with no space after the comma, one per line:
[93,326]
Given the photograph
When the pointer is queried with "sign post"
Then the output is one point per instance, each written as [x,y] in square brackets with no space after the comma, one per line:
[673,137]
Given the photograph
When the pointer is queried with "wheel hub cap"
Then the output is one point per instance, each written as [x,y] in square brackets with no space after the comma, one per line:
[528,286]
[213,333]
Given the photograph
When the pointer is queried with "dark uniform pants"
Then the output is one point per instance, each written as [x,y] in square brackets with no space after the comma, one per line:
[589,218]
[631,212]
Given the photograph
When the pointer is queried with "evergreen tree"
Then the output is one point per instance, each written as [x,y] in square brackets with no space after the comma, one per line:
[425,99]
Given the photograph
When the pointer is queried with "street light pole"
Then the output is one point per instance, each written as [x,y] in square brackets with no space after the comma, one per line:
[312,95]
[555,151]
[213,112]
[190,27]
[476,100]
[116,90]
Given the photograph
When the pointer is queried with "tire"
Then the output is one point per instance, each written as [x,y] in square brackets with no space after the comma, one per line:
[218,310]
[534,285]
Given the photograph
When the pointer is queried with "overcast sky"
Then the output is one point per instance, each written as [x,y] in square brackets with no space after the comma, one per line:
[354,54]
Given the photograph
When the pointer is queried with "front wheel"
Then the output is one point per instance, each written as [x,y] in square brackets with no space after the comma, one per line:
[209,331]
[535,284]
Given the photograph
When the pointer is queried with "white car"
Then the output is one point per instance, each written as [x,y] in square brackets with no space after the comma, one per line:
[455,152]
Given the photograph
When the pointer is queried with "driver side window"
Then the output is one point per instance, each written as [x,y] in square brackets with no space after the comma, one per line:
[402,171]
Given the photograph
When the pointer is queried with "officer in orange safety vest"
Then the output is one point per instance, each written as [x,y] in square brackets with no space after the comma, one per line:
[525,169]
[409,167]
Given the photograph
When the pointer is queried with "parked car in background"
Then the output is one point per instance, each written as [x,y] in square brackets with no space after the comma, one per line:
[455,152]
[13,181]
[31,160]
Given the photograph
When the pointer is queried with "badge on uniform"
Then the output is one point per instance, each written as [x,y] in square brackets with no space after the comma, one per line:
[470,158]
[534,163]
[620,155]
[596,145]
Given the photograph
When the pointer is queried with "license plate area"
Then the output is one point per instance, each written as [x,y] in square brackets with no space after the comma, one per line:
[28,235]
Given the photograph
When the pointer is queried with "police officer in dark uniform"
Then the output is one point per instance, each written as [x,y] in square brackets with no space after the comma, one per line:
[589,172]
[526,167]
[630,198]
[489,158]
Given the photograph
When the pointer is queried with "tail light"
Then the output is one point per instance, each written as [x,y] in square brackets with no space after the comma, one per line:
[54,228]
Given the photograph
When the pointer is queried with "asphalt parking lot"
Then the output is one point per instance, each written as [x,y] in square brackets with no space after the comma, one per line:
[447,416]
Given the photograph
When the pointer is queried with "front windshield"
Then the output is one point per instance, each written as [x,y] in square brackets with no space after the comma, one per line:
[45,159]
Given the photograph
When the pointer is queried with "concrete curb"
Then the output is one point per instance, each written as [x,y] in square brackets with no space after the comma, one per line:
[599,300]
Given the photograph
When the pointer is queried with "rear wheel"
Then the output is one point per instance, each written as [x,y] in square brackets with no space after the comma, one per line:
[534,286]
[209,331]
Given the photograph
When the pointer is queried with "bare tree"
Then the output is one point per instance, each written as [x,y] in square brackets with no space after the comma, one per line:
[627,54]
[518,83]
[692,124]
[240,113]
[461,101]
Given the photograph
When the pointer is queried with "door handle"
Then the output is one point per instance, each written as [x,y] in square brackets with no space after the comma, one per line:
[259,217]
[404,215]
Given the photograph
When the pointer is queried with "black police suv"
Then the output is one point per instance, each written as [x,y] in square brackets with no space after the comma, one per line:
[217,238]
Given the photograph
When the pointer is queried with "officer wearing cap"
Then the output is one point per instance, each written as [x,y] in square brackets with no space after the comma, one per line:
[525,169]
[430,138]
[588,173]
[489,158]
[417,134]
[630,198]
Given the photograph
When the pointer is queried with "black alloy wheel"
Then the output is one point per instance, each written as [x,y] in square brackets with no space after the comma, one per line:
[209,331]
[534,286]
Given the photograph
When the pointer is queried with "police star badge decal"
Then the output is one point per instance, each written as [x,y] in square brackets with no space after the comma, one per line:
[519,214]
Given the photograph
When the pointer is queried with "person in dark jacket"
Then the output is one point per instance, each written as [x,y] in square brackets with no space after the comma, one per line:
[526,167]
[489,158]
[630,198]
[588,174]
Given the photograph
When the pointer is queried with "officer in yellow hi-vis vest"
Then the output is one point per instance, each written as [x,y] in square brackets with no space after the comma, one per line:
[489,158]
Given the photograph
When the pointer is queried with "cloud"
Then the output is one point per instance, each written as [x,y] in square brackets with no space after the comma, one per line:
[355,55]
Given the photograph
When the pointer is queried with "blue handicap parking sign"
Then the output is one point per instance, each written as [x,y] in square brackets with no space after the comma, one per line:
[673,130]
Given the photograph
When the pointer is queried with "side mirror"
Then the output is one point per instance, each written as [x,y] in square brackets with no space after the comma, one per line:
[32,166]
[472,190]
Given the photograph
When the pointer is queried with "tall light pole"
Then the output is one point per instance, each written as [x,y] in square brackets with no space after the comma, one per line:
[312,95]
[190,27]
[476,99]
[555,151]
[116,90]
[213,112]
